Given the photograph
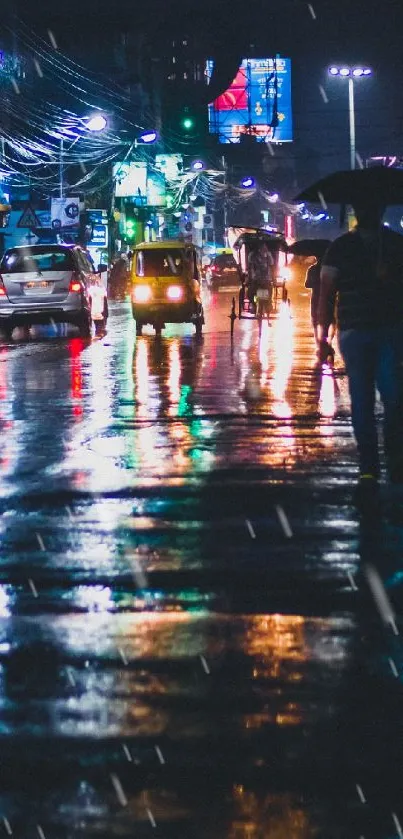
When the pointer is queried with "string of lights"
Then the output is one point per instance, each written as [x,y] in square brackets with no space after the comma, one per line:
[34,127]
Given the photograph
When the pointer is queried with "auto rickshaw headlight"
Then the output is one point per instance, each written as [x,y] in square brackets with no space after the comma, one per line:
[174,292]
[141,293]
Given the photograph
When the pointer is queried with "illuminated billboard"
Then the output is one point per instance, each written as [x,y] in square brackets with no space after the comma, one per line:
[258,102]
[156,189]
[131,181]
[170,164]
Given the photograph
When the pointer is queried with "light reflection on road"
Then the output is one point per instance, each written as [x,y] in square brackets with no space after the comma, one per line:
[136,602]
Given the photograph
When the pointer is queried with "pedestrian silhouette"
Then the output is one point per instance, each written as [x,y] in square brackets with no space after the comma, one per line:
[365,268]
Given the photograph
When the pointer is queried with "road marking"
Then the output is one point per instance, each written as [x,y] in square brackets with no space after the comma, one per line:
[33,588]
[250,528]
[160,755]
[7,825]
[312,11]
[204,664]
[352,581]
[360,794]
[40,542]
[393,668]
[40,831]
[151,817]
[285,524]
[119,790]
[381,598]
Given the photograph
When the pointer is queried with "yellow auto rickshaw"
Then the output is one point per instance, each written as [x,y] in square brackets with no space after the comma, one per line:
[166,285]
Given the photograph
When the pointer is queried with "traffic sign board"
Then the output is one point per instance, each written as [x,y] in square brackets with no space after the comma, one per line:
[99,236]
[28,218]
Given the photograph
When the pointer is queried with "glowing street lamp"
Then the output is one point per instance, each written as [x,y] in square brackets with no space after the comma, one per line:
[95,123]
[248,183]
[350,73]
[145,139]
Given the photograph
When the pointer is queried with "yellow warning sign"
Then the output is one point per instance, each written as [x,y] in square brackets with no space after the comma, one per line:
[28,218]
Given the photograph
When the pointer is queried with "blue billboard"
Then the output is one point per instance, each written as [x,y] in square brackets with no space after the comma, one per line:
[257,103]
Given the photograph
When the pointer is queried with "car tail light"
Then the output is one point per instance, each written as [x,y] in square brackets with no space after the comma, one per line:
[174,292]
[2,289]
[141,293]
[75,284]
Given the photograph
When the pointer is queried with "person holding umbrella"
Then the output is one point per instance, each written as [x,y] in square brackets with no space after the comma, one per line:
[365,268]
[317,248]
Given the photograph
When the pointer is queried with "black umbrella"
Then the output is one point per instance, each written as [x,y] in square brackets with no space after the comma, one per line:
[378,185]
[310,247]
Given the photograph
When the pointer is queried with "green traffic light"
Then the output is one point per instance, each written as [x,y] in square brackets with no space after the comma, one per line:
[130,229]
[187,123]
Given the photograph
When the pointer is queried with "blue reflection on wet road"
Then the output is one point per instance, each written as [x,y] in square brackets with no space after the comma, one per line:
[187,642]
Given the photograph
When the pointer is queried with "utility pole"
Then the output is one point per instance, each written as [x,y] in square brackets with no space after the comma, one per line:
[61,168]
[224,165]
[351,113]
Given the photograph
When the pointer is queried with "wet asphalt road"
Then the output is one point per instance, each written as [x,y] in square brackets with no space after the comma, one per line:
[189,644]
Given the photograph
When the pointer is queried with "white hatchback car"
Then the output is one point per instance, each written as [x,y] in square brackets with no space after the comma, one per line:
[45,284]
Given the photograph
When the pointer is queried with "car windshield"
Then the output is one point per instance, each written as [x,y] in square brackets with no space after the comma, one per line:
[159,263]
[21,261]
[225,261]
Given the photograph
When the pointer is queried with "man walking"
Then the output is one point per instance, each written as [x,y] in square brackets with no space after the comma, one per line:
[364,267]
[260,271]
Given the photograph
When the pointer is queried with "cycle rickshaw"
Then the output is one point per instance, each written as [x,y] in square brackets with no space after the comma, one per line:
[254,303]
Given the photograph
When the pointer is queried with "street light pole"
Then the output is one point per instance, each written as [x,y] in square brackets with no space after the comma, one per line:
[225,206]
[145,139]
[351,73]
[61,152]
[94,124]
[351,113]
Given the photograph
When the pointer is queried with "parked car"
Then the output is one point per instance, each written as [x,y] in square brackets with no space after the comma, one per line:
[45,284]
[222,271]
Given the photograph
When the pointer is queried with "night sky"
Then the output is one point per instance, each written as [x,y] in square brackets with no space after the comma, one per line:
[363,31]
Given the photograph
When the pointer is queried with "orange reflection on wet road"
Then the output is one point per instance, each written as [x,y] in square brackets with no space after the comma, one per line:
[327,396]
[280,816]
[282,359]
[186,639]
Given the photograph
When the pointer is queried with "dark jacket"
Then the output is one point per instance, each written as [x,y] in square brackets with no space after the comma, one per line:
[370,278]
